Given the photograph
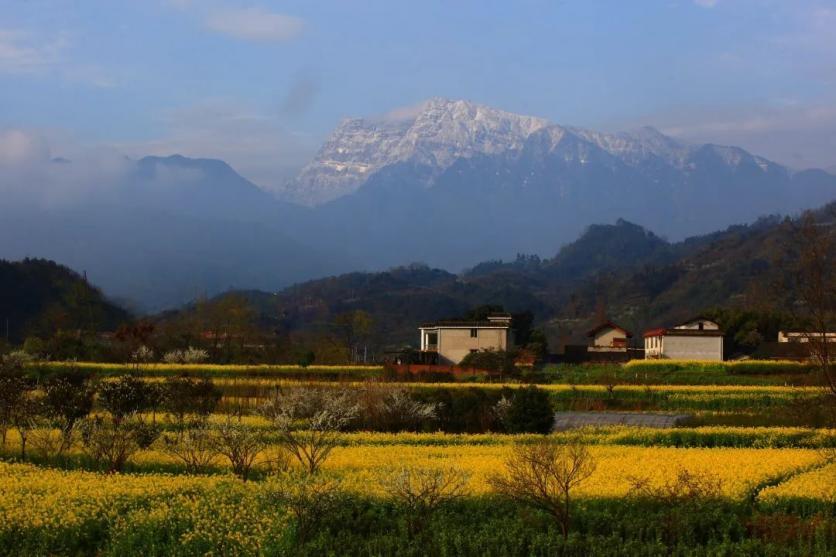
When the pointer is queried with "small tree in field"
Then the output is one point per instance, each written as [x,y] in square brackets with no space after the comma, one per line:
[189,397]
[110,443]
[308,498]
[127,396]
[240,444]
[689,494]
[15,387]
[309,422]
[422,491]
[810,283]
[193,445]
[543,475]
[68,399]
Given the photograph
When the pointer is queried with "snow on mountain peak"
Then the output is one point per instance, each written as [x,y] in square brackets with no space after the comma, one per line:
[435,134]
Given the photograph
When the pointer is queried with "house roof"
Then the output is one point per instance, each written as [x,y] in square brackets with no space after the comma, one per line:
[493,321]
[683,332]
[608,325]
[655,332]
[697,318]
[467,324]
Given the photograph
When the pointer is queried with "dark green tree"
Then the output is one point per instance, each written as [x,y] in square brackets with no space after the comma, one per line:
[530,411]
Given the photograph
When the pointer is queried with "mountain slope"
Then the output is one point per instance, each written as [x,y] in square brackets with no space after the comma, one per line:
[39,297]
[640,279]
[166,230]
[458,183]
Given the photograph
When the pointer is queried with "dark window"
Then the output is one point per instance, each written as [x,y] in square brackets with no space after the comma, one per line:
[474,333]
[701,325]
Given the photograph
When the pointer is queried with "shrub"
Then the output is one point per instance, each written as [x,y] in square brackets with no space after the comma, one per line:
[495,361]
[530,411]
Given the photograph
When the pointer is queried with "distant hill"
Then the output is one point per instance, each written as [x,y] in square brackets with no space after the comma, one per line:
[452,184]
[636,277]
[39,297]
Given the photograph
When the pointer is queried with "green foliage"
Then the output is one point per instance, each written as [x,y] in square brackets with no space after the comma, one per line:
[40,298]
[186,395]
[125,396]
[494,361]
[530,411]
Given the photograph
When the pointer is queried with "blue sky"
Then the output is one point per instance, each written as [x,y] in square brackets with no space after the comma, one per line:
[261,83]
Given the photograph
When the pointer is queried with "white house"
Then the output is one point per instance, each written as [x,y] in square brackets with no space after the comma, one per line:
[794,336]
[448,342]
[608,337]
[696,339]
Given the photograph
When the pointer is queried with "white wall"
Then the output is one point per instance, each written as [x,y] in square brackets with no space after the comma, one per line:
[692,348]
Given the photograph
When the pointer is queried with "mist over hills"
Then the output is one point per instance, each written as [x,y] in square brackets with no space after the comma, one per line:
[449,183]
[634,276]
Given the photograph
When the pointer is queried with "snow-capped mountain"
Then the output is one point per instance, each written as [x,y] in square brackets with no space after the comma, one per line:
[441,131]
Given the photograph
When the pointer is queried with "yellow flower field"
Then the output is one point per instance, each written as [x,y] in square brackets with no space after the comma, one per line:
[817,484]
[740,470]
[31,494]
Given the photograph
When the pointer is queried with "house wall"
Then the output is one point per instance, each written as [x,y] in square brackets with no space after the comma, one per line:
[607,336]
[603,341]
[652,347]
[455,344]
[692,348]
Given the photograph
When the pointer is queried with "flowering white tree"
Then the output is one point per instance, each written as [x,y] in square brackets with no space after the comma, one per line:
[309,421]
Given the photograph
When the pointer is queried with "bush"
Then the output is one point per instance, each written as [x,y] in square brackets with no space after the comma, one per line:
[495,361]
[530,411]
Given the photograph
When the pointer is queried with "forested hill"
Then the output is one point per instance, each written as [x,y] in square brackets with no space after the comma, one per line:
[623,270]
[39,297]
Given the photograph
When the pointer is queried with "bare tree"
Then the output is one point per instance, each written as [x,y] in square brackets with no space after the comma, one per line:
[240,444]
[387,408]
[308,498]
[422,491]
[25,418]
[309,422]
[193,445]
[811,283]
[543,474]
[686,495]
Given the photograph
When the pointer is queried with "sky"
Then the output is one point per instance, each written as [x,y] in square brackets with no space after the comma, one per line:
[260,84]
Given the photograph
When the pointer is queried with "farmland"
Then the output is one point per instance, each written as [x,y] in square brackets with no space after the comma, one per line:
[748,474]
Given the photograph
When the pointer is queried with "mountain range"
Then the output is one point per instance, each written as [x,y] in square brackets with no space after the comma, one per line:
[620,270]
[449,183]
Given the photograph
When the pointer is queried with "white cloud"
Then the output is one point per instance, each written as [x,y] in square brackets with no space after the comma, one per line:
[255,24]
[29,174]
[23,53]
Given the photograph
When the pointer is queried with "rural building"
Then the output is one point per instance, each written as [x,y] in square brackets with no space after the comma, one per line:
[797,336]
[448,342]
[696,339]
[608,337]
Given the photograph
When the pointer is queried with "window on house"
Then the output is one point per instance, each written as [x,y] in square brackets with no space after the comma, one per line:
[701,326]
[474,333]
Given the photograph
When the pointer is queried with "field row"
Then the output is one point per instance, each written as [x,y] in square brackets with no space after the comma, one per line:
[362,468]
